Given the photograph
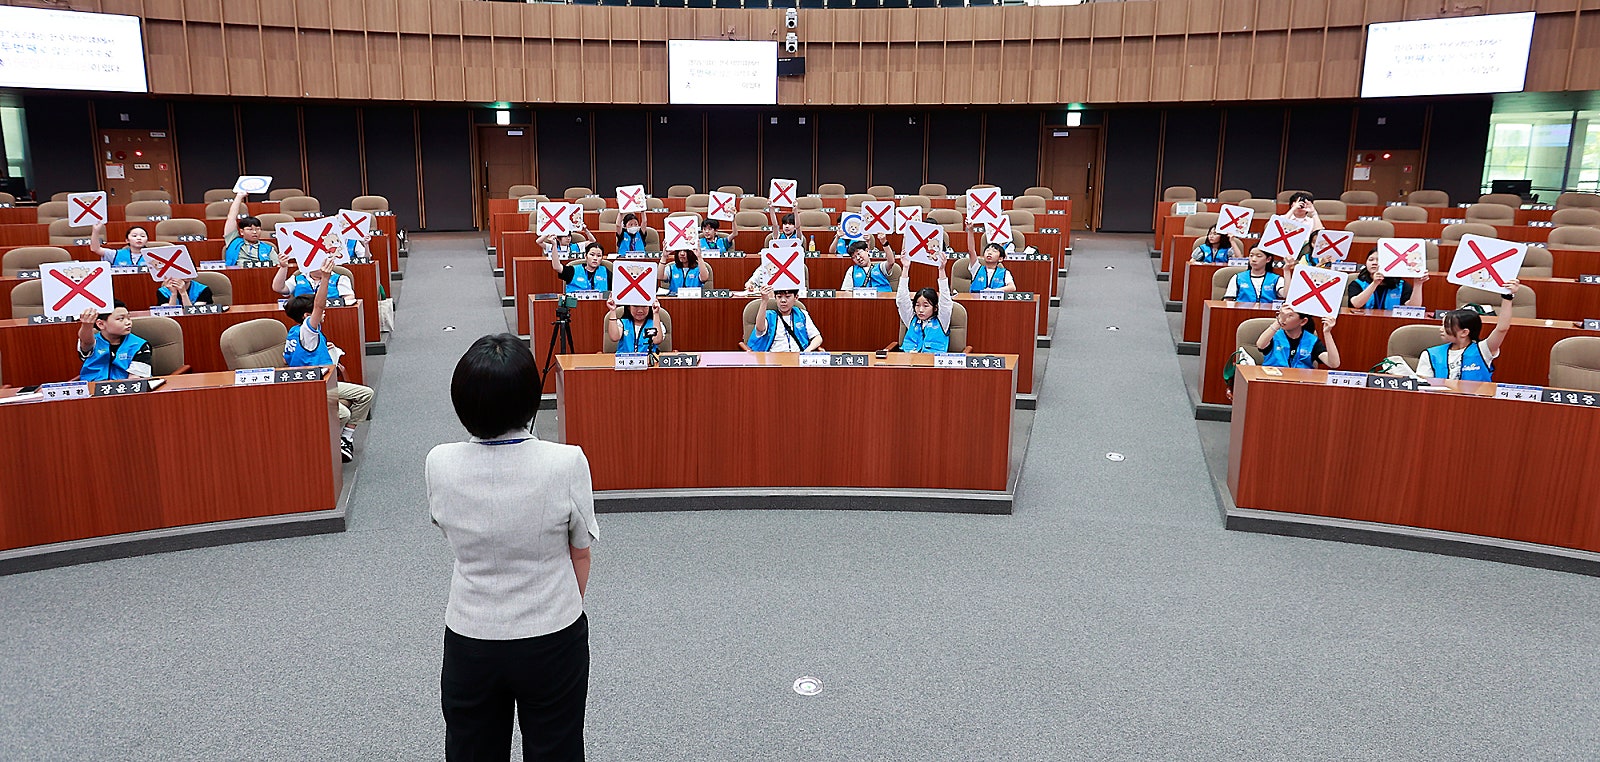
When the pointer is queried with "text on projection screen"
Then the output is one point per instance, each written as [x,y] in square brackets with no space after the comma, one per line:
[1477,54]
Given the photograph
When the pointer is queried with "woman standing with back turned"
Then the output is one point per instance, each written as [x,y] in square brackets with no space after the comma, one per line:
[519,515]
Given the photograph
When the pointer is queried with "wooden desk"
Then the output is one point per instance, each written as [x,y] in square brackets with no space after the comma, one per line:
[58,490]
[1506,486]
[251,285]
[1363,340]
[39,354]
[931,428]
[532,275]
[849,324]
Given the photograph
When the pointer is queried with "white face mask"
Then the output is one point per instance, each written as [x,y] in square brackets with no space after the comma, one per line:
[633,229]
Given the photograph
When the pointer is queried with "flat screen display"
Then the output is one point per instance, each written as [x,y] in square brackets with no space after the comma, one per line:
[1473,54]
[67,50]
[722,72]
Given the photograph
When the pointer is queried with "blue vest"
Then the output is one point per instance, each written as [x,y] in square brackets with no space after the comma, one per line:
[1384,298]
[681,278]
[718,244]
[1280,357]
[237,248]
[629,243]
[102,364]
[985,279]
[763,343]
[1245,289]
[303,286]
[633,339]
[1474,367]
[195,289]
[1214,256]
[841,245]
[872,277]
[124,258]
[350,247]
[297,356]
[926,336]
[582,281]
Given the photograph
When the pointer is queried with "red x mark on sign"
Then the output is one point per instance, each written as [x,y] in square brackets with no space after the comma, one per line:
[1316,290]
[922,246]
[722,206]
[783,268]
[878,216]
[1232,218]
[1487,263]
[1331,244]
[1283,235]
[351,225]
[783,194]
[981,205]
[634,281]
[1399,256]
[85,211]
[316,243]
[680,234]
[550,221]
[168,264]
[631,199]
[78,288]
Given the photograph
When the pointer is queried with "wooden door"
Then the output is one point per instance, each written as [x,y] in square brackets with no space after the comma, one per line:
[1067,166]
[133,160]
[505,156]
[1389,173]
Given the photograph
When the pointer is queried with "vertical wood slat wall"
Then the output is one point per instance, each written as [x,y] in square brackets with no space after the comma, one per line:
[1118,52]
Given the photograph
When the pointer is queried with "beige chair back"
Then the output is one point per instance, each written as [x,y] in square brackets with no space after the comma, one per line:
[949,219]
[1525,305]
[218,194]
[1370,230]
[29,258]
[731,189]
[1410,341]
[254,344]
[218,210]
[1180,193]
[753,204]
[62,233]
[7,198]
[1199,223]
[50,211]
[750,220]
[62,196]
[1035,204]
[812,219]
[663,324]
[369,204]
[270,222]
[1505,199]
[165,337]
[807,204]
[576,192]
[1284,196]
[27,299]
[1359,197]
[169,230]
[1453,233]
[279,194]
[1575,363]
[151,195]
[221,287]
[1021,220]
[832,190]
[1040,191]
[1572,199]
[1220,279]
[881,192]
[592,203]
[1405,214]
[1492,214]
[608,217]
[680,191]
[1248,333]
[1538,263]
[853,202]
[1574,237]
[518,191]
[296,206]
[1329,210]
[699,203]
[1232,196]
[933,189]
[1576,215]
[144,211]
[1426,197]
[910,201]
[1261,208]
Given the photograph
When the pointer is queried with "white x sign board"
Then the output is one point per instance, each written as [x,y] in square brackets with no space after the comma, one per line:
[635,283]
[309,242]
[69,288]
[681,232]
[1486,263]
[1316,291]
[85,209]
[630,198]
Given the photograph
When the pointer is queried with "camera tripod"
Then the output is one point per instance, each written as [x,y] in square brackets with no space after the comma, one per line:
[560,340]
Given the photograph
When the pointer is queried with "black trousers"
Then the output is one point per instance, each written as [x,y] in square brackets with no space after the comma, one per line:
[546,680]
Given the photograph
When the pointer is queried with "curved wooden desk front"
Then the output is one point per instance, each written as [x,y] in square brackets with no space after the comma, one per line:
[744,419]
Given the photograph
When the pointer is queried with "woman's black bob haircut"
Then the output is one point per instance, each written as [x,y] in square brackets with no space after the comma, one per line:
[496,387]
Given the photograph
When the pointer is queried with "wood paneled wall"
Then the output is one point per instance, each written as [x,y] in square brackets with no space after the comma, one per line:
[1114,52]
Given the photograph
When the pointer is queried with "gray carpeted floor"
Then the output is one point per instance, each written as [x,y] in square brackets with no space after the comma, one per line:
[1110,618]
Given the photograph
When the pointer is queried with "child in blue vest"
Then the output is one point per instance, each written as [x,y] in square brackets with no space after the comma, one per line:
[681,269]
[783,229]
[1463,356]
[302,284]
[866,275]
[1288,343]
[1372,290]
[711,240]
[306,347]
[630,327]
[108,347]
[631,240]
[184,292]
[988,272]
[788,328]
[927,317]
[1257,285]
[592,274]
[242,238]
[1214,248]
[131,255]
[566,244]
